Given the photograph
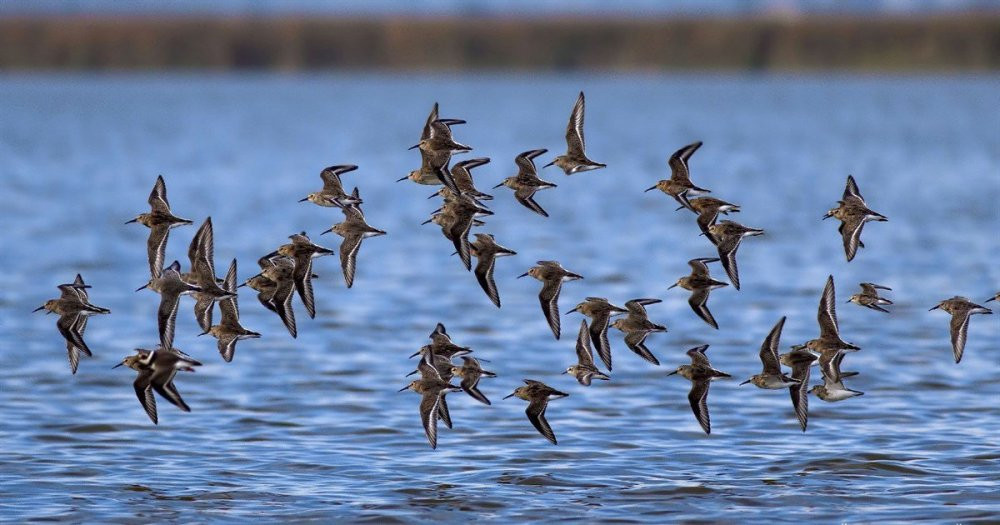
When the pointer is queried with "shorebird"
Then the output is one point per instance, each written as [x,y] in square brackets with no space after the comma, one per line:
[679,184]
[159,221]
[961,309]
[73,307]
[727,235]
[708,209]
[461,173]
[869,297]
[442,344]
[353,229]
[201,253]
[829,342]
[552,275]
[526,182]
[853,213]
[599,310]
[637,326]
[584,370]
[700,284]
[456,217]
[833,389]
[157,369]
[171,287]
[701,374]
[303,251]
[333,195]
[275,285]
[575,160]
[470,372]
[538,394]
[432,389]
[486,250]
[800,362]
[229,330]
[771,376]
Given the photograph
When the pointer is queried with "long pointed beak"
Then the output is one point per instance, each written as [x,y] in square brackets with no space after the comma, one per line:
[990,299]
[575,309]
[672,286]
[303,199]
[415,146]
[143,287]
[565,372]
[131,221]
[827,216]
[432,196]
[428,221]
[203,333]
[415,354]
[745,382]
[672,373]
[935,308]
[411,373]
[241,285]
[497,186]
[798,347]
[328,230]
[407,387]
[549,164]
[38,309]
[512,395]
[650,189]
[525,274]
[116,366]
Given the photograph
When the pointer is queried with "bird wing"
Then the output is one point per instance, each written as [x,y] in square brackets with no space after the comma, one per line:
[698,302]
[536,414]
[959,332]
[484,274]
[349,257]
[549,298]
[144,392]
[852,194]
[769,349]
[599,335]
[574,129]
[698,357]
[281,300]
[727,253]
[429,415]
[698,397]
[166,318]
[156,247]
[850,230]
[525,196]
[158,197]
[635,342]
[827,314]
[800,392]
[679,162]
[68,327]
[699,267]
[584,353]
[302,275]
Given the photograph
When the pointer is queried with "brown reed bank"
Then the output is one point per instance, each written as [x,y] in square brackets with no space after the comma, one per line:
[965,42]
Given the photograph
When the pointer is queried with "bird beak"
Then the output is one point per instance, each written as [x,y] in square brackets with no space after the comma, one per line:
[549,164]
[143,287]
[650,189]
[512,395]
[404,178]
[328,230]
[411,373]
[131,221]
[303,199]
[798,347]
[432,196]
[525,274]
[672,286]
[415,354]
[575,308]
[497,186]
[565,372]
[407,387]
[428,221]
[935,308]
[745,382]
[203,333]
[827,216]
[415,146]
[672,373]
[38,309]
[119,364]
[990,299]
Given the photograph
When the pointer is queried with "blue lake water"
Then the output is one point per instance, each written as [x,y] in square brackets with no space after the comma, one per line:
[312,428]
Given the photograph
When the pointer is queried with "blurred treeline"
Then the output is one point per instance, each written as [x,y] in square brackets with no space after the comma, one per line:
[911,43]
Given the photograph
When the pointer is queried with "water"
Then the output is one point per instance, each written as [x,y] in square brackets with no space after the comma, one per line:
[314,428]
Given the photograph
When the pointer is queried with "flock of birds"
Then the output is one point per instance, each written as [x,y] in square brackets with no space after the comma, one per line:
[287,271]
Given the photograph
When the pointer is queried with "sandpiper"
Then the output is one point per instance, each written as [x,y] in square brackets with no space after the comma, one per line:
[575,160]
[486,250]
[201,253]
[537,394]
[961,309]
[599,310]
[442,344]
[432,390]
[159,221]
[771,376]
[73,307]
[636,326]
[800,361]
[708,209]
[275,286]
[353,229]
[456,218]
[333,195]
[303,251]
[552,275]
[833,389]
[461,173]
[171,287]
[869,297]
[440,137]
[829,343]
[727,235]
[157,369]
[469,373]
[679,184]
[701,374]
[700,283]
[584,370]
[853,213]
[229,330]
[526,182]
